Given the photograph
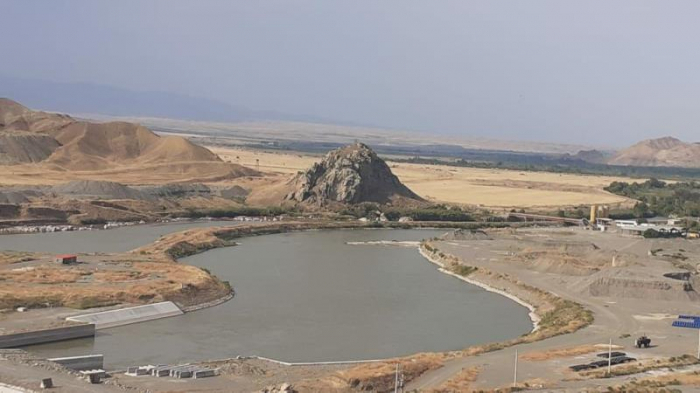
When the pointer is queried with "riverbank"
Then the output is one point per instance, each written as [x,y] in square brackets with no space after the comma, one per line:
[194,241]
[551,315]
[534,317]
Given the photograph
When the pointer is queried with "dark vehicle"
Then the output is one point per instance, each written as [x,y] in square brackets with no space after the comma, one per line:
[581,367]
[621,359]
[612,354]
[643,341]
[614,360]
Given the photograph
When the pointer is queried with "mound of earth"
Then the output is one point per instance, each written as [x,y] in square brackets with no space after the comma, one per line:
[466,234]
[234,192]
[570,258]
[180,190]
[13,197]
[98,189]
[667,151]
[18,147]
[352,174]
[631,283]
[103,145]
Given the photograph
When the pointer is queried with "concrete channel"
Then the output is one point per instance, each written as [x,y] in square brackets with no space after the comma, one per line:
[46,335]
[87,362]
[127,316]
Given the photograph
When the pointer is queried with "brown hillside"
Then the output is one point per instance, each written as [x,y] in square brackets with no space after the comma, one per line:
[105,145]
[14,116]
[126,150]
[667,151]
[21,146]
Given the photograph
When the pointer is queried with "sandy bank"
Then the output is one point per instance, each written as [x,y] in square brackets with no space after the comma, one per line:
[441,267]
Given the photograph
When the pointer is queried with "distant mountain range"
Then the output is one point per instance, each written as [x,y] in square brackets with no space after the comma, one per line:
[108,100]
[145,106]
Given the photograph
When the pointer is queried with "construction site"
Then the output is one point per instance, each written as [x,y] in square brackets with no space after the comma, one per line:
[599,219]
[609,308]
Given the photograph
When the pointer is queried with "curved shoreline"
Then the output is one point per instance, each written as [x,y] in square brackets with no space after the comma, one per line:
[197,240]
[441,268]
[209,304]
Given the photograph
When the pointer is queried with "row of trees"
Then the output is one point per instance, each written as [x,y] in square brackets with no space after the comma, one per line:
[660,198]
[433,213]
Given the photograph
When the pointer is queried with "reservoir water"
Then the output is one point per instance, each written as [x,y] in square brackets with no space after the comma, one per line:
[120,239]
[309,296]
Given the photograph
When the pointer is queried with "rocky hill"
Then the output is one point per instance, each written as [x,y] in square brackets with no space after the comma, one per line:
[352,174]
[66,144]
[667,151]
[592,156]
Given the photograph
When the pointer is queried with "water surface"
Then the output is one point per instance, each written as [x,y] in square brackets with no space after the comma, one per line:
[308,296]
[120,239]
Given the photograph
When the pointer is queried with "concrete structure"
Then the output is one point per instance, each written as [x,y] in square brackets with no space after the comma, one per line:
[46,336]
[541,217]
[5,388]
[138,371]
[99,372]
[93,376]
[180,372]
[80,363]
[633,227]
[204,373]
[161,371]
[66,259]
[126,316]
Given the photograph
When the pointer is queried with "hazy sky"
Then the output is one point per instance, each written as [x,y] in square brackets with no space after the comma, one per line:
[596,72]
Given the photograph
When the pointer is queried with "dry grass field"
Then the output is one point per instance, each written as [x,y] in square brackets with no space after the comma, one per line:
[136,174]
[101,280]
[493,188]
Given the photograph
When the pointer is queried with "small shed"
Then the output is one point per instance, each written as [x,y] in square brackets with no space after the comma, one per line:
[66,259]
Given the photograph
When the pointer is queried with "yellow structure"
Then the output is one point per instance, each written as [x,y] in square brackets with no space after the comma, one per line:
[599,212]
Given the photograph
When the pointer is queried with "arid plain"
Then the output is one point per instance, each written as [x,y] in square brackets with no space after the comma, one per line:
[497,189]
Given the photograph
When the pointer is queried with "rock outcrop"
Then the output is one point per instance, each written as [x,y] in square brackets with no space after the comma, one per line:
[352,174]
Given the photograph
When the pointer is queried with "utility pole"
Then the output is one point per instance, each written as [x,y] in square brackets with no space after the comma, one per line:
[396,379]
[698,344]
[609,356]
[515,369]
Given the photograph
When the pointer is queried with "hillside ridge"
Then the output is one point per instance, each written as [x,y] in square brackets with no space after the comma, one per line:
[666,151]
[63,143]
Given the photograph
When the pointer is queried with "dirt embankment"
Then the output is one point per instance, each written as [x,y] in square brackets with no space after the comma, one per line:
[556,315]
[193,241]
[101,280]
